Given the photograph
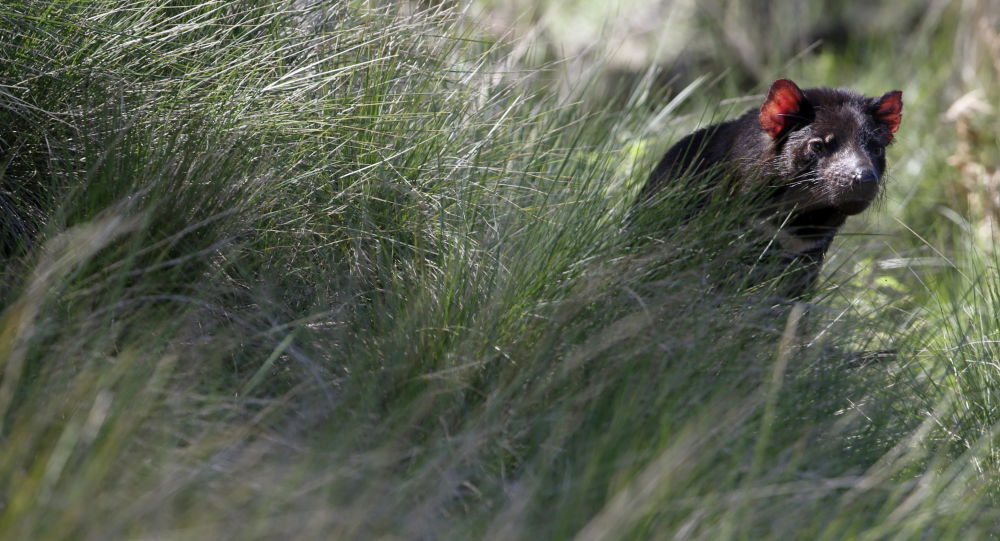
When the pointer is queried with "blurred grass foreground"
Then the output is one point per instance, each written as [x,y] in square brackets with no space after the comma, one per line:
[353,270]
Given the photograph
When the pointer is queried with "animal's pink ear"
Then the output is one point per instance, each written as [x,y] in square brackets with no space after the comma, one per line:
[783,101]
[890,110]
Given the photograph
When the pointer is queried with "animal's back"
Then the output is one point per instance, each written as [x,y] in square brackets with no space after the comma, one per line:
[694,155]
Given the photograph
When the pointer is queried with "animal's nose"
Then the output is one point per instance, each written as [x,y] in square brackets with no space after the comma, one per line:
[865,176]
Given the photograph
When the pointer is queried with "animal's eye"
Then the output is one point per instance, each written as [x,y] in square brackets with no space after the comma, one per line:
[877,150]
[816,145]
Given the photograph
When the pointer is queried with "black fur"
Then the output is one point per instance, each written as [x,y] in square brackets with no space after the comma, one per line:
[826,163]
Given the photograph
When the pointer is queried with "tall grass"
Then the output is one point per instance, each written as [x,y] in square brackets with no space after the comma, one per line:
[341,270]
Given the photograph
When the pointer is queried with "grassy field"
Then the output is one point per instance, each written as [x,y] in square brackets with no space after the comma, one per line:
[340,270]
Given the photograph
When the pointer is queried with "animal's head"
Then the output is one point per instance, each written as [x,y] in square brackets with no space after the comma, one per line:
[829,144]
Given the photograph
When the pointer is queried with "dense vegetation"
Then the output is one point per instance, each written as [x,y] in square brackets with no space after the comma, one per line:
[338,270]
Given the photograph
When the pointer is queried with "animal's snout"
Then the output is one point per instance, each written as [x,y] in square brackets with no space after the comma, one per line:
[865,176]
[856,190]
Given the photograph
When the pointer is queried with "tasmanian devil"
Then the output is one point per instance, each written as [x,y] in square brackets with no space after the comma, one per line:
[817,156]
